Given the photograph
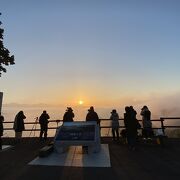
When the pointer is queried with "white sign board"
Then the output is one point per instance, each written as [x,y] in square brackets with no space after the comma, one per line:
[1,97]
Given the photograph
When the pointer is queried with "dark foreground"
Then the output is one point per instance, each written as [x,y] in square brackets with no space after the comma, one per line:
[147,162]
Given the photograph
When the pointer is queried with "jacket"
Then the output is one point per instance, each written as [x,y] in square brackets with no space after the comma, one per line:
[114,120]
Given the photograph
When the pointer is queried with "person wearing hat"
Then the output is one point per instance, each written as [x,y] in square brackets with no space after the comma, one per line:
[115,124]
[68,115]
[92,115]
[146,121]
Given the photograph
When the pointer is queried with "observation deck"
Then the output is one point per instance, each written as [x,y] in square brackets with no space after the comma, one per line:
[148,161]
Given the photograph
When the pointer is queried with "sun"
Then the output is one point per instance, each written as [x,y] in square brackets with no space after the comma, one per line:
[81,102]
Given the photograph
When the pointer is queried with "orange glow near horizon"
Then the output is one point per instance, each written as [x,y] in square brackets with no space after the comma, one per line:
[81,102]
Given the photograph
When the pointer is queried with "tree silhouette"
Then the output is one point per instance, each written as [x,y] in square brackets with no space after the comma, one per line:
[5,58]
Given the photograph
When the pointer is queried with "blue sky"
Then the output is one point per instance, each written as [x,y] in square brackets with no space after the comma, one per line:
[101,52]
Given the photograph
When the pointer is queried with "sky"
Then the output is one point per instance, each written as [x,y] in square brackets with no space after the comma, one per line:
[106,53]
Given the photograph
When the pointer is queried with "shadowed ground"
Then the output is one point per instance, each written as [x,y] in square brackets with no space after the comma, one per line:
[147,162]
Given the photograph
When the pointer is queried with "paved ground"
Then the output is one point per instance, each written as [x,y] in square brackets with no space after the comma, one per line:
[147,162]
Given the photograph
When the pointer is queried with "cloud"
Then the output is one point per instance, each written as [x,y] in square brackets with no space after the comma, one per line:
[159,104]
[167,105]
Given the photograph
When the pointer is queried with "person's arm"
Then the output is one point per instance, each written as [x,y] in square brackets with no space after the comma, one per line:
[87,117]
[40,119]
[98,120]
[125,120]
[118,116]
[64,117]
[24,117]
[48,116]
[142,113]
[97,116]
[15,122]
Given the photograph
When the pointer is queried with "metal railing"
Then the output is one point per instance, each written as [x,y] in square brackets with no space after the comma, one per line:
[33,123]
[59,122]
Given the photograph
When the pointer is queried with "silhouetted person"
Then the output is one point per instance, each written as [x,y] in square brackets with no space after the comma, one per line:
[19,125]
[146,121]
[1,130]
[69,115]
[133,111]
[43,121]
[133,114]
[131,127]
[92,115]
[115,124]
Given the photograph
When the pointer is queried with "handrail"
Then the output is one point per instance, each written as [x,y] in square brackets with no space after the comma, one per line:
[163,127]
[162,119]
[58,122]
[34,121]
[169,117]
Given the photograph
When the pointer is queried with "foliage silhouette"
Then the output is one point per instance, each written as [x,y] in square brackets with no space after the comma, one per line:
[5,58]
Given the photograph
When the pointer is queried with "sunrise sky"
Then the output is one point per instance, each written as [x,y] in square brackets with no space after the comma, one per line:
[102,52]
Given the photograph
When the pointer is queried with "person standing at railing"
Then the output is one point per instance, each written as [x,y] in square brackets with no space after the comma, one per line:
[146,121]
[19,125]
[133,114]
[1,130]
[43,121]
[115,124]
[68,115]
[131,127]
[133,111]
[92,115]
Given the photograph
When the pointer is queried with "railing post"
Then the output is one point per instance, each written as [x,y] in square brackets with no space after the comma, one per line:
[162,125]
[1,98]
[100,127]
